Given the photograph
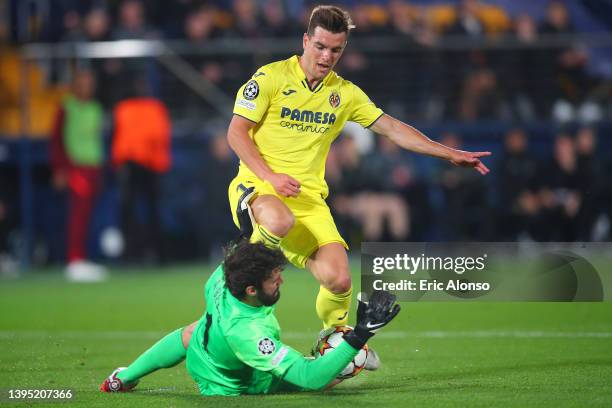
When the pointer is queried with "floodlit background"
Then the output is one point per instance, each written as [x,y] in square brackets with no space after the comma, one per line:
[530,81]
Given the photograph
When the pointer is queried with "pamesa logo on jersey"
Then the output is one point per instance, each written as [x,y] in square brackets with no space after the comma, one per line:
[324,118]
[306,120]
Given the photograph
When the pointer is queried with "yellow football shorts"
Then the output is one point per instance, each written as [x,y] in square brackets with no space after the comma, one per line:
[314,225]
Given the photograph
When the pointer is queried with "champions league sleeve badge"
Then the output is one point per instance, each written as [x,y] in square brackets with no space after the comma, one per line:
[251,90]
[266,346]
[334,99]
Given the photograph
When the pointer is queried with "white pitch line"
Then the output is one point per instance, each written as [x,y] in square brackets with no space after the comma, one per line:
[512,334]
[484,334]
[477,334]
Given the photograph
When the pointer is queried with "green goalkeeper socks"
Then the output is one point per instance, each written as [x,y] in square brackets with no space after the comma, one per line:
[166,353]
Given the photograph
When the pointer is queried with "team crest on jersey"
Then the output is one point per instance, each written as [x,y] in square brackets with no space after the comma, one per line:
[266,346]
[251,90]
[334,99]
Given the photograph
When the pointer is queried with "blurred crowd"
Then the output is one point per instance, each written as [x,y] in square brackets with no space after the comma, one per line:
[436,69]
[466,61]
[559,195]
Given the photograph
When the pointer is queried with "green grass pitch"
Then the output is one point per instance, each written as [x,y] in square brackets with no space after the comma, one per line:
[59,335]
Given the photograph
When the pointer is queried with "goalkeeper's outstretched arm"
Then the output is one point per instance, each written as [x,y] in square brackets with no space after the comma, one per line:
[371,317]
[318,373]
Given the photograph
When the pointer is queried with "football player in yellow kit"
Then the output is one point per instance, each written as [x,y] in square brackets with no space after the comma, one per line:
[285,119]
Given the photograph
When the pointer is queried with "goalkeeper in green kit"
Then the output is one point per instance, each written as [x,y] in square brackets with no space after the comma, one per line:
[236,348]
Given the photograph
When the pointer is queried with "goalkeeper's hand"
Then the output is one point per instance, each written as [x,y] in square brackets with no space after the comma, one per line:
[372,316]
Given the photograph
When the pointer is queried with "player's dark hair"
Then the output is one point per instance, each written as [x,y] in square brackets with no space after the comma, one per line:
[249,264]
[330,18]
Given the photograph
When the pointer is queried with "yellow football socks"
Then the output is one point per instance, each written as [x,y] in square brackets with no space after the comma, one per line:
[261,234]
[333,308]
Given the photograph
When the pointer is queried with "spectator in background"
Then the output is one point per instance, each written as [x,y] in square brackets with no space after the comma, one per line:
[592,185]
[226,72]
[557,20]
[247,22]
[200,25]
[9,218]
[402,192]
[423,92]
[568,62]
[199,29]
[403,97]
[141,154]
[132,22]
[93,26]
[72,26]
[354,64]
[379,207]
[481,98]
[467,22]
[276,22]
[525,79]
[561,193]
[220,170]
[97,27]
[471,83]
[390,210]
[171,15]
[518,171]
[76,156]
[466,207]
[344,166]
[132,25]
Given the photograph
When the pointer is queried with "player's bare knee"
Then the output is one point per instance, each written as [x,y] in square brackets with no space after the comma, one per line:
[273,215]
[343,284]
[279,222]
[339,284]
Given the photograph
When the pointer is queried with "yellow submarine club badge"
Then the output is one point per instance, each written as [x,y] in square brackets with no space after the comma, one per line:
[334,99]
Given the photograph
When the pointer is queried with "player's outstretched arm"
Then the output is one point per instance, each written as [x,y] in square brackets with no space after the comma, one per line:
[319,373]
[240,141]
[411,139]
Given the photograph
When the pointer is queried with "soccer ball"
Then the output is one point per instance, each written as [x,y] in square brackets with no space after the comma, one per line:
[330,339]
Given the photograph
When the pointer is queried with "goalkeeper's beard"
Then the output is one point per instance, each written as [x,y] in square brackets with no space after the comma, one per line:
[268,300]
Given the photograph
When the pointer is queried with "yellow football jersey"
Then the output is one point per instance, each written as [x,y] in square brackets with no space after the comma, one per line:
[295,125]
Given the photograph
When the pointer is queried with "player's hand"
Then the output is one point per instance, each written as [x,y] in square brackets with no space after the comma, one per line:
[470,159]
[284,184]
[378,312]
[372,315]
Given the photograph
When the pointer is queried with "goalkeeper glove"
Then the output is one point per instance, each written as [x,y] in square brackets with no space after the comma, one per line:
[372,316]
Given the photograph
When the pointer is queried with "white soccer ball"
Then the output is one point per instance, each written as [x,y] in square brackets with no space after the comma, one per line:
[330,339]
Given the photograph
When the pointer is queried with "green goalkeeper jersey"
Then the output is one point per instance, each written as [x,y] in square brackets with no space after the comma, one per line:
[236,349]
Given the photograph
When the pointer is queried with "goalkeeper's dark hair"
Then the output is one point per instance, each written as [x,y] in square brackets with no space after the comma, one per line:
[249,264]
[330,18]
